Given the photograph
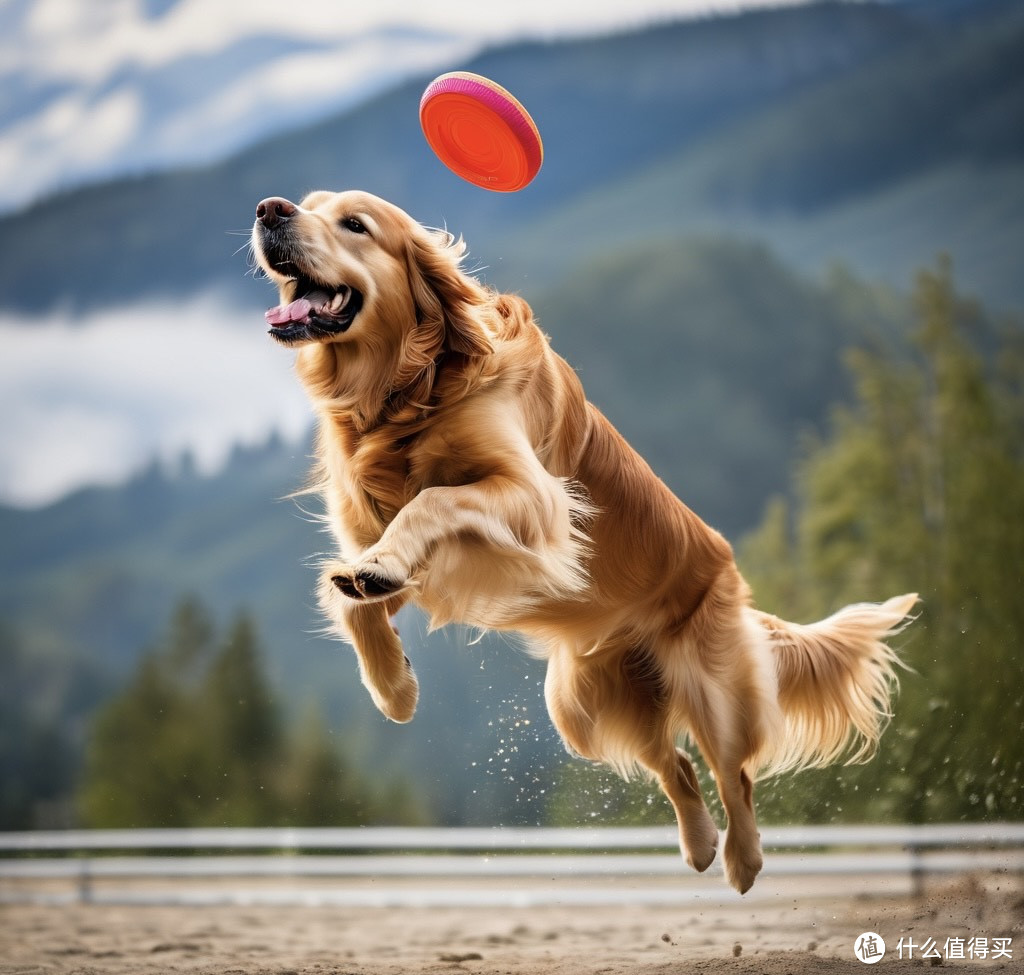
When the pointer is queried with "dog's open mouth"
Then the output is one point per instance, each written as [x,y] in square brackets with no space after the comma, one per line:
[315,312]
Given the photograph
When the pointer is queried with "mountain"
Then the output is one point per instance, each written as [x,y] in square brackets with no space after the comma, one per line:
[918,152]
[871,133]
[606,107]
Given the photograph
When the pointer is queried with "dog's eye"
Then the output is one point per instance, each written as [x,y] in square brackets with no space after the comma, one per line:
[356,226]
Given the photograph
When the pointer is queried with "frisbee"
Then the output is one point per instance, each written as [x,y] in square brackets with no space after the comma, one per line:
[480,131]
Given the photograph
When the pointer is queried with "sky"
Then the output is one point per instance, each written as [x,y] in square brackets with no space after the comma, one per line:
[94,88]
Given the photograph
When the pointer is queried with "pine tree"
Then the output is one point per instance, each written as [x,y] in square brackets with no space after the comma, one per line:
[36,759]
[245,742]
[920,487]
[137,773]
[196,739]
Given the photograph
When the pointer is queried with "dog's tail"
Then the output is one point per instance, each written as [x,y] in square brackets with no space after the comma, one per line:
[835,681]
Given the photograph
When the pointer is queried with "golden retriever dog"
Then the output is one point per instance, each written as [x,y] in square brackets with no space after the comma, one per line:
[462,468]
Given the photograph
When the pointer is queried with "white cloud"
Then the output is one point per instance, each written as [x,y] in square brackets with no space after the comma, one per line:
[108,125]
[94,400]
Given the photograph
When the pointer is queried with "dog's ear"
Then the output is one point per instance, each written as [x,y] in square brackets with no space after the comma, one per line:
[445,297]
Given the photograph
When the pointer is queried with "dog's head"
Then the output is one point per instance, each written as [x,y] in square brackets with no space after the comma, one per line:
[353,268]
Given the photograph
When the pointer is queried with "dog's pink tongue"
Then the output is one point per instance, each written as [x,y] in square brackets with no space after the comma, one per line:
[296,311]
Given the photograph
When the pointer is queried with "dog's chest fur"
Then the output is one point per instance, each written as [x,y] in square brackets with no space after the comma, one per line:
[372,476]
[368,477]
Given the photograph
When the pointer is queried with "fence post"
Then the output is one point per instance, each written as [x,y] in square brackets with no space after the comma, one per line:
[916,870]
[85,881]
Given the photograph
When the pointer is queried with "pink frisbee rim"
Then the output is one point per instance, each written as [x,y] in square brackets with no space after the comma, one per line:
[481,131]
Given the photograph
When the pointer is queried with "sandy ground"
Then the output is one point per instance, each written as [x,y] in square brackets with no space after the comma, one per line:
[775,936]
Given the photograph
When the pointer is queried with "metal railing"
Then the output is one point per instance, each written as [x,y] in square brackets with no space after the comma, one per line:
[401,866]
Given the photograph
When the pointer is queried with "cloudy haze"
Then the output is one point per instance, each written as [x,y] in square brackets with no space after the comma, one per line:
[95,401]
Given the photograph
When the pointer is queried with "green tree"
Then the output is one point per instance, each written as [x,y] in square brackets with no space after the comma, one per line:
[36,760]
[196,739]
[245,739]
[920,486]
[150,761]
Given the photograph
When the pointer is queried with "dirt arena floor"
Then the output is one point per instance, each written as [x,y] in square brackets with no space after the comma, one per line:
[776,936]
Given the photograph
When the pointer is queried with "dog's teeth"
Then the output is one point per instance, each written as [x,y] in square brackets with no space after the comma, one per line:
[339,300]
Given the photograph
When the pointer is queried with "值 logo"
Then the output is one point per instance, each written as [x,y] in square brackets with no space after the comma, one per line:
[869,948]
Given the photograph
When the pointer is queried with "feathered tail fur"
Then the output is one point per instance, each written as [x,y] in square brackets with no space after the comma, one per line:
[835,682]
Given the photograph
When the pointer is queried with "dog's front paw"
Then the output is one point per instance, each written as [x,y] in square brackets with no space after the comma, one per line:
[371,580]
[397,699]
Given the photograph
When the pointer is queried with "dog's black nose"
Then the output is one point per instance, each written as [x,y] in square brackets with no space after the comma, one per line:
[274,210]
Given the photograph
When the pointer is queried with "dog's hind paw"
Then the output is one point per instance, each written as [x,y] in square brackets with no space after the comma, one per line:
[699,841]
[742,864]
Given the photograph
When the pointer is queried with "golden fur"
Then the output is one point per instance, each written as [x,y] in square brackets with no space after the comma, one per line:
[463,469]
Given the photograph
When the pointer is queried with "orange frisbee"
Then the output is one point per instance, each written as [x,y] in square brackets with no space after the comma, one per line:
[480,131]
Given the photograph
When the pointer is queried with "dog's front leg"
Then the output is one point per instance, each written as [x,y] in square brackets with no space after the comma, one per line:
[529,519]
[383,666]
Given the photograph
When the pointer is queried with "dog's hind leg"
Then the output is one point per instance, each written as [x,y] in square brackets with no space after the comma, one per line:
[743,858]
[698,835]
[727,727]
[383,666]
[609,707]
